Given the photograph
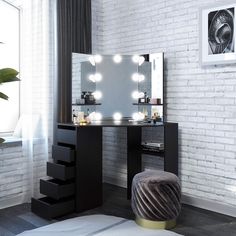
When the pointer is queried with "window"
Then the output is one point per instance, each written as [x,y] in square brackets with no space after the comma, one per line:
[9,57]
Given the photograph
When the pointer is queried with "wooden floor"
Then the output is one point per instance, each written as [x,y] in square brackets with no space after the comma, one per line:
[191,222]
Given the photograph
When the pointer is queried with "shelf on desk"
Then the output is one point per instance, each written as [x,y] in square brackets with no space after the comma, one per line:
[147,104]
[95,104]
[153,153]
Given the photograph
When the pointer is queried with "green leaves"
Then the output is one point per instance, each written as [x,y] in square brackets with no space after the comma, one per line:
[2,140]
[8,75]
[3,96]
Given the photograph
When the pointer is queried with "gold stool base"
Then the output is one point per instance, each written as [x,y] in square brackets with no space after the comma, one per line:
[150,224]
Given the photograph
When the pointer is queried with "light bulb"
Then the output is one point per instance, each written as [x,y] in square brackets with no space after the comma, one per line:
[137,95]
[92,78]
[135,58]
[95,78]
[135,116]
[92,61]
[117,116]
[117,58]
[141,60]
[141,94]
[138,116]
[98,77]
[135,77]
[97,94]
[97,116]
[97,58]
[141,116]
[141,78]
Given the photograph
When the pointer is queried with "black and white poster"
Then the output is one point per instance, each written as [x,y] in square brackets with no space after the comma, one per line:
[218,35]
[221,31]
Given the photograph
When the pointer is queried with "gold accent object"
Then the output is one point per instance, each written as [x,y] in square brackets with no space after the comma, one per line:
[150,224]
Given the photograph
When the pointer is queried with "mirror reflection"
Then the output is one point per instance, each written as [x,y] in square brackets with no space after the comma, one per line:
[117,86]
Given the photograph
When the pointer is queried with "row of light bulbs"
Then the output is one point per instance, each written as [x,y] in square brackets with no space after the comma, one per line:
[135,95]
[117,116]
[97,77]
[117,59]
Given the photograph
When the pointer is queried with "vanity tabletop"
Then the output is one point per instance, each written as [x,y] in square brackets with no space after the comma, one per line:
[111,123]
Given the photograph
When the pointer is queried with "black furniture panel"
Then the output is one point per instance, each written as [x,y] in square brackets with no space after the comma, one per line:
[171,148]
[134,151]
[57,189]
[134,160]
[60,171]
[60,153]
[66,135]
[88,168]
[50,208]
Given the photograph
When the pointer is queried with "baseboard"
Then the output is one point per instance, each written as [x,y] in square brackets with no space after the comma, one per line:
[12,201]
[209,205]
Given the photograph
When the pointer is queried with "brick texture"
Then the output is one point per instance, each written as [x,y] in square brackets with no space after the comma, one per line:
[201,100]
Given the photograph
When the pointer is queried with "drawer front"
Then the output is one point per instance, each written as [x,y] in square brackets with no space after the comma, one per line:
[66,136]
[59,171]
[49,208]
[61,153]
[57,189]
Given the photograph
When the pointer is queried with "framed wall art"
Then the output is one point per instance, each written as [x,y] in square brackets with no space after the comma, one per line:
[217,35]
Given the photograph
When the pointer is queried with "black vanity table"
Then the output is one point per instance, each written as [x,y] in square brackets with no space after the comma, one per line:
[76,171]
[77,167]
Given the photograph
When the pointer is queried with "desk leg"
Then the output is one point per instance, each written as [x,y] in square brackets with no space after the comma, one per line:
[134,160]
[171,148]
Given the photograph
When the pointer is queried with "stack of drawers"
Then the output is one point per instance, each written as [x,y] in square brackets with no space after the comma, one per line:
[60,190]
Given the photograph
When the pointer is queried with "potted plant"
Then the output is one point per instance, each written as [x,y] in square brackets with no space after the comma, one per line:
[7,75]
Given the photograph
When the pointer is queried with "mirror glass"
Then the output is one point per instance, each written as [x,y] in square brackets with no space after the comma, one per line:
[123,84]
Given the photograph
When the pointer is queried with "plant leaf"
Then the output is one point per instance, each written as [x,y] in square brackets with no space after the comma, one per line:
[3,96]
[8,75]
[2,140]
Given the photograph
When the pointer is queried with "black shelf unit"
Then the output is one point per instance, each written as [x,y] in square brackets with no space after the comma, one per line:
[60,189]
[135,151]
[146,104]
[153,153]
[76,173]
[95,104]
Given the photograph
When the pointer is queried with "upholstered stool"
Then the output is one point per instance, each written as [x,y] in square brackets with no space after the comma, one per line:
[156,199]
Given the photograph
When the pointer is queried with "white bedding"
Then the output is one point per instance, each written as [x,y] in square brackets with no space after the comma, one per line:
[99,225]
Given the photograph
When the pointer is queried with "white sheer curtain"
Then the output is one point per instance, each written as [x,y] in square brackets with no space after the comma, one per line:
[38,71]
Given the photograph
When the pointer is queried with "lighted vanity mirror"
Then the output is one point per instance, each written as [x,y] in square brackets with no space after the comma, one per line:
[118,86]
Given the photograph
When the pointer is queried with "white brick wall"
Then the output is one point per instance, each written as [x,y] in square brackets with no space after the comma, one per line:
[201,100]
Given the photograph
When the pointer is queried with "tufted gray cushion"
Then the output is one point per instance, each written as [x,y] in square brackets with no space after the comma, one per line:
[156,195]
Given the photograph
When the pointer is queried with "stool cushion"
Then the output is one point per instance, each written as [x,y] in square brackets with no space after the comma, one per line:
[156,195]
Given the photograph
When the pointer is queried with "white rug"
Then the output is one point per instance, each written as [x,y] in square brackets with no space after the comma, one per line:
[99,225]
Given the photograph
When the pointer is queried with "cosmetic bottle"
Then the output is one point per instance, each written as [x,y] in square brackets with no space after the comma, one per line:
[74,117]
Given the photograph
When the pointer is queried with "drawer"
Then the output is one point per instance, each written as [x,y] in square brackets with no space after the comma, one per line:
[57,189]
[60,171]
[49,208]
[66,136]
[61,153]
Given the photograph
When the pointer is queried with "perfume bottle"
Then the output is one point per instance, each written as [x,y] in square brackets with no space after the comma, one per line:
[146,98]
[74,117]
